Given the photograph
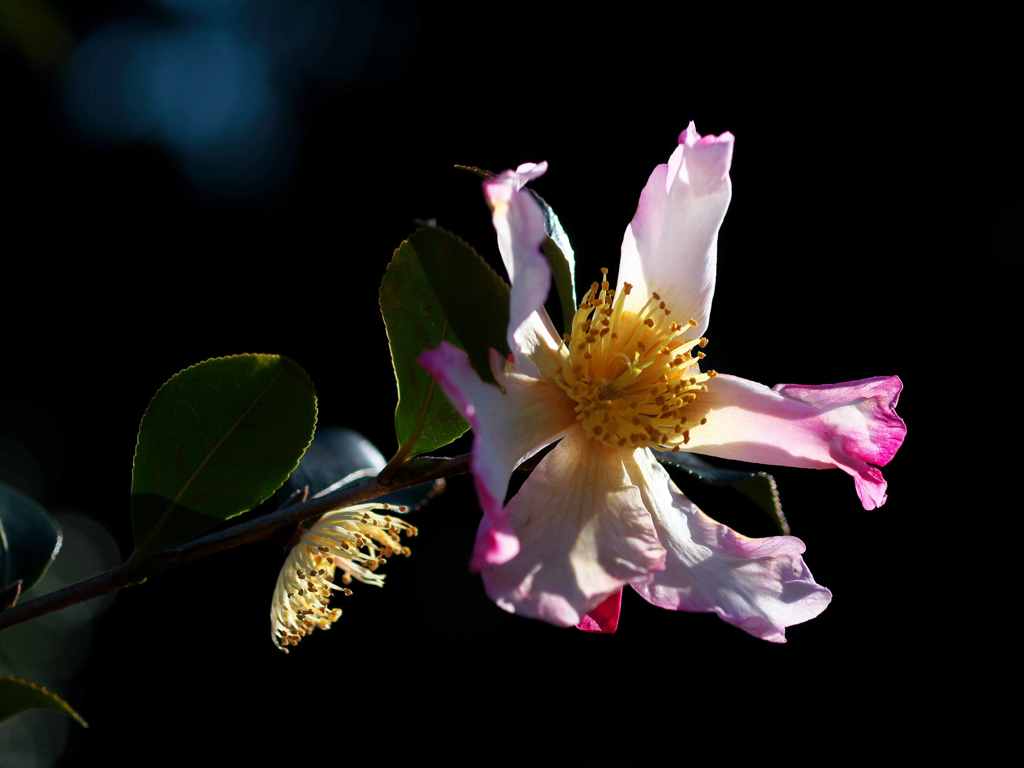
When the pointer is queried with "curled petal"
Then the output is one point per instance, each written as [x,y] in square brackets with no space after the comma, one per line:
[508,428]
[671,245]
[605,617]
[519,225]
[583,532]
[852,426]
[760,585]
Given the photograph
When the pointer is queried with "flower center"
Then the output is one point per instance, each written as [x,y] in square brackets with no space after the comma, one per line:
[634,376]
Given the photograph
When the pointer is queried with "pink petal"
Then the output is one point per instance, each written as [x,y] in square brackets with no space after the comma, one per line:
[852,426]
[583,532]
[604,618]
[519,224]
[507,429]
[671,246]
[760,585]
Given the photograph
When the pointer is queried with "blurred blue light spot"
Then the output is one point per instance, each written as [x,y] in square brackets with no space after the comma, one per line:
[104,83]
[318,38]
[203,92]
[205,87]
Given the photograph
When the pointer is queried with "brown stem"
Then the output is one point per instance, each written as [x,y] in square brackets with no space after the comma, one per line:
[420,470]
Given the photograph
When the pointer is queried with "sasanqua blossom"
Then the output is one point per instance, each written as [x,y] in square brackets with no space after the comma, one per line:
[599,512]
[356,540]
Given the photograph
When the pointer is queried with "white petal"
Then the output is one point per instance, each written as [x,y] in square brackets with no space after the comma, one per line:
[583,532]
[508,428]
[519,225]
[671,246]
[760,585]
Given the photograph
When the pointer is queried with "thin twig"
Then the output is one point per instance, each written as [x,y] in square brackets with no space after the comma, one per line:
[419,470]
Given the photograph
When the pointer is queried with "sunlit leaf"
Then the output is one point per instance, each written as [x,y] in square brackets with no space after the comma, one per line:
[758,487]
[438,288]
[29,539]
[18,695]
[217,439]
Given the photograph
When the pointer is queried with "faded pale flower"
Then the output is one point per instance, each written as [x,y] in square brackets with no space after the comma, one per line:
[356,540]
[599,511]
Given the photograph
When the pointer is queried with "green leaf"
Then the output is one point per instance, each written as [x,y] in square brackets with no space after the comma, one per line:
[556,248]
[438,288]
[217,439]
[18,694]
[759,487]
[29,539]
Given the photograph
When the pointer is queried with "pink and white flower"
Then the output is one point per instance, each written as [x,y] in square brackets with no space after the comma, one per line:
[599,512]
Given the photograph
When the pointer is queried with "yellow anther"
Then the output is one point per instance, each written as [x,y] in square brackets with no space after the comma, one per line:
[635,380]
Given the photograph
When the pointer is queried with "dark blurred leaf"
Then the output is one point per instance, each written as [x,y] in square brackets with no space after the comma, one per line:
[9,595]
[29,538]
[217,439]
[342,458]
[334,455]
[18,694]
[438,288]
[759,487]
[556,248]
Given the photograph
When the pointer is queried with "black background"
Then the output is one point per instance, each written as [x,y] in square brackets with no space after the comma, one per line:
[874,203]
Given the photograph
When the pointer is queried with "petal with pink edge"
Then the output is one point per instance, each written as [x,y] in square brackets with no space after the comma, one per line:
[583,532]
[508,428]
[852,426]
[760,585]
[671,245]
[520,228]
[605,617]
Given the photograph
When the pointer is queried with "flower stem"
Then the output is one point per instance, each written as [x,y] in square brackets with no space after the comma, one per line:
[419,470]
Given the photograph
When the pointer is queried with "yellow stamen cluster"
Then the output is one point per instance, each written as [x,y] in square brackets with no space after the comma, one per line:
[355,540]
[634,376]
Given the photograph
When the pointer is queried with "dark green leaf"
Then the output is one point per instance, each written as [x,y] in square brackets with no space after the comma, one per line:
[556,248]
[217,439]
[29,539]
[759,487]
[18,694]
[438,288]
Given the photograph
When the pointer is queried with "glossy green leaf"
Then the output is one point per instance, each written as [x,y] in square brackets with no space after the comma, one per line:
[758,487]
[438,288]
[18,695]
[217,439]
[556,248]
[29,539]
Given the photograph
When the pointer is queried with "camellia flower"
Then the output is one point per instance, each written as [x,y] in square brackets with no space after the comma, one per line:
[599,512]
[357,540]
